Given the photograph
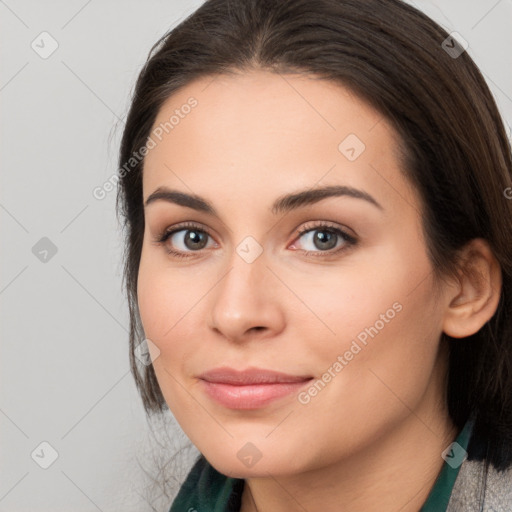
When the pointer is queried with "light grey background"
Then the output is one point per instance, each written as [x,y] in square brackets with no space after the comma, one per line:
[64,328]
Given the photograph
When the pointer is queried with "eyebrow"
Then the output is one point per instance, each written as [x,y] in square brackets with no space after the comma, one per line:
[282,204]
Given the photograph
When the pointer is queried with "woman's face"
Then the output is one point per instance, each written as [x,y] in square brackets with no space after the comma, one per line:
[354,313]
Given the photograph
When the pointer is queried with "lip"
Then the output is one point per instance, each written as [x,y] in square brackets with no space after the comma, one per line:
[252,388]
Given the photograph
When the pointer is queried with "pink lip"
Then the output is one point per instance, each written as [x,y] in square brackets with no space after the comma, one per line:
[249,389]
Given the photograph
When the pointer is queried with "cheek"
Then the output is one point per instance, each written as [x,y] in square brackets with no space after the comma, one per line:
[383,374]
[337,305]
[172,309]
[154,304]
[165,297]
[381,318]
[386,351]
[165,305]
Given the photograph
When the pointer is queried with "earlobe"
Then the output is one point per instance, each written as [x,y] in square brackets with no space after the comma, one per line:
[477,294]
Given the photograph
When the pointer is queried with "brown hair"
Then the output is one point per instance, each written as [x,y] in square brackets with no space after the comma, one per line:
[456,153]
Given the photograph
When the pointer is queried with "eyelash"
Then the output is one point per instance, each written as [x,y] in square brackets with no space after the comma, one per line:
[349,240]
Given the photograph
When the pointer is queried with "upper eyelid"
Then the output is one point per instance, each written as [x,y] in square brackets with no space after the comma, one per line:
[309,225]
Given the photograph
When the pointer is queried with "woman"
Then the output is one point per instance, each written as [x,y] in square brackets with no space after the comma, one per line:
[319,259]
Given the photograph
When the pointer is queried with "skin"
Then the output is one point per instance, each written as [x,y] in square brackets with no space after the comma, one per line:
[372,438]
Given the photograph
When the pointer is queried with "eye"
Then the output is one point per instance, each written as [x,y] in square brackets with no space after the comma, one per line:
[185,238]
[324,238]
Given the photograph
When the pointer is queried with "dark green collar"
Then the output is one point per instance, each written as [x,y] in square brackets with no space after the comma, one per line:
[454,455]
[207,490]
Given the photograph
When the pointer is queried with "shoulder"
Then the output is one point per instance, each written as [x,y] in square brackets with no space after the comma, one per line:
[481,489]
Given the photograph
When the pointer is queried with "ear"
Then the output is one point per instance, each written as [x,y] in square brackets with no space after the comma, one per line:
[476,296]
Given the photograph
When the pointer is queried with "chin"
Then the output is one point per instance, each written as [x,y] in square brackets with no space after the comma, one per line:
[249,462]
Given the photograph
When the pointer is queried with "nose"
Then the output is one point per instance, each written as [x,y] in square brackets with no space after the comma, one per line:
[244,303]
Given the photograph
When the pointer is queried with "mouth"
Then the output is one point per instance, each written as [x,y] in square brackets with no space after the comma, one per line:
[253,388]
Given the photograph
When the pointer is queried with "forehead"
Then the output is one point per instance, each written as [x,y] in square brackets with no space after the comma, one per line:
[269,132]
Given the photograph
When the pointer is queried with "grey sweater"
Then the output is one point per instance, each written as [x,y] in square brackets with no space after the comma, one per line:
[476,491]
